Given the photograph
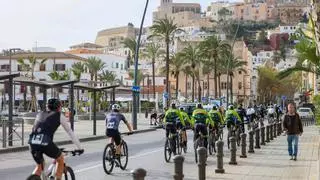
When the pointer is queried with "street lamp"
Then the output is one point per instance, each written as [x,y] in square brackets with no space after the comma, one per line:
[135,90]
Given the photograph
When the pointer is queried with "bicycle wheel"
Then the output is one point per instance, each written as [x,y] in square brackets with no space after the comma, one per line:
[196,145]
[124,156]
[68,174]
[210,142]
[228,138]
[34,177]
[167,151]
[108,158]
[221,134]
[178,143]
[238,137]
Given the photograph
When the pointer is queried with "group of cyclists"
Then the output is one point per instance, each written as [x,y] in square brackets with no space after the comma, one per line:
[201,120]
[47,122]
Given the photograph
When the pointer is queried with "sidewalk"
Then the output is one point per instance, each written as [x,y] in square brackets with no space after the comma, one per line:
[82,128]
[272,161]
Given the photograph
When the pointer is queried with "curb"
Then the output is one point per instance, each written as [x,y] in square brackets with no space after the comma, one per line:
[65,142]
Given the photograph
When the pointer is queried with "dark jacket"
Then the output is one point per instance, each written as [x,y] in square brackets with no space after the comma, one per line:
[292,124]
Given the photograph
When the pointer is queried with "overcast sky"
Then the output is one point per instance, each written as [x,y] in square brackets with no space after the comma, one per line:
[62,23]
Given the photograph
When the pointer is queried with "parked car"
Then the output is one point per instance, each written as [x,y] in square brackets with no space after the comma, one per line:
[309,105]
[305,113]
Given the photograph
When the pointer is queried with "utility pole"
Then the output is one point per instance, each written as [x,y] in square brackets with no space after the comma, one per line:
[135,90]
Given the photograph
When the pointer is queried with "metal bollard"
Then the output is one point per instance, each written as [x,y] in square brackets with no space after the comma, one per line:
[219,145]
[4,134]
[279,128]
[251,150]
[22,131]
[139,174]
[263,135]
[257,146]
[178,167]
[233,151]
[275,130]
[243,145]
[268,133]
[271,132]
[202,163]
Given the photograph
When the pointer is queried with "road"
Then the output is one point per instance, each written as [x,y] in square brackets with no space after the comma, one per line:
[145,150]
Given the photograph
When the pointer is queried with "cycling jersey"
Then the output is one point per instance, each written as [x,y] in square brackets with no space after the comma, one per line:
[200,116]
[45,126]
[173,116]
[232,115]
[113,120]
[216,116]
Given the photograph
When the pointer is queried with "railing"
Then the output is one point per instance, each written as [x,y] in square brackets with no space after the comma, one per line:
[16,135]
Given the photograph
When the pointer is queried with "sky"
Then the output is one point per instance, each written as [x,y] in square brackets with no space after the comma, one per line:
[63,23]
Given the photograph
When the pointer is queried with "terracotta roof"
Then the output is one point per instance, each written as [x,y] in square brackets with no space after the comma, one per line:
[86,45]
[42,55]
[83,51]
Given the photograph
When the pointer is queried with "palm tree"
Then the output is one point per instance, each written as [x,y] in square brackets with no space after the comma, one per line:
[131,44]
[234,65]
[187,71]
[192,56]
[212,48]
[94,65]
[29,67]
[207,69]
[108,77]
[152,52]
[165,29]
[140,76]
[77,69]
[57,76]
[176,65]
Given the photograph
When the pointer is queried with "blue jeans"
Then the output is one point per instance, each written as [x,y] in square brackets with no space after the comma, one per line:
[293,139]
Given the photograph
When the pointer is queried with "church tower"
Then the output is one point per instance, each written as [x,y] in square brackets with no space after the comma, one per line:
[165,2]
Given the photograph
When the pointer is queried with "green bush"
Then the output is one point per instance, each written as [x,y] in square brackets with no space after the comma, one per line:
[316,102]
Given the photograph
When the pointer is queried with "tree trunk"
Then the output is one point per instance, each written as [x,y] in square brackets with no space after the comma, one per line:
[193,79]
[143,89]
[78,99]
[231,88]
[25,106]
[153,79]
[167,72]
[199,90]
[186,91]
[215,78]
[177,85]
[219,83]
[208,86]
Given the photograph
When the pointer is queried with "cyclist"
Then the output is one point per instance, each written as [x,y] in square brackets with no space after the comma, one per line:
[232,117]
[201,121]
[242,114]
[170,120]
[185,118]
[112,126]
[278,111]
[41,137]
[271,112]
[216,116]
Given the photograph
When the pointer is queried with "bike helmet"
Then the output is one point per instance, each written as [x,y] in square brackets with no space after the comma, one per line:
[54,104]
[115,107]
[199,105]
[173,105]
[181,109]
[214,107]
[230,107]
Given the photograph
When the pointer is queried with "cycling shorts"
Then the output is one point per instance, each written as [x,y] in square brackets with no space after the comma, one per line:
[171,128]
[115,134]
[51,150]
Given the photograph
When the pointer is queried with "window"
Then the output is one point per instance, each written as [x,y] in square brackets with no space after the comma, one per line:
[82,91]
[240,85]
[19,67]
[149,82]
[59,67]
[4,67]
[188,85]
[240,72]
[223,85]
[42,67]
[121,66]
[164,82]
[23,88]
[205,85]
[41,90]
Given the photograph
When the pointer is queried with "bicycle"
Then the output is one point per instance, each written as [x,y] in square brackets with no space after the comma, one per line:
[181,145]
[212,140]
[171,142]
[50,173]
[199,142]
[110,158]
[234,131]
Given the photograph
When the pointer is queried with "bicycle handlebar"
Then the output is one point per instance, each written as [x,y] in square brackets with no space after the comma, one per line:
[73,152]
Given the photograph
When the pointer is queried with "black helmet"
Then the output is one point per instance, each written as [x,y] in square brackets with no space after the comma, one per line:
[173,105]
[214,107]
[181,109]
[54,104]
[199,105]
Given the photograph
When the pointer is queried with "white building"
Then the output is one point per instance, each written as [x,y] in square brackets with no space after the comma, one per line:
[214,8]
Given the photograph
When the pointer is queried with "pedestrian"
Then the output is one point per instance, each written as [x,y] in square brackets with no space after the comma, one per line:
[292,125]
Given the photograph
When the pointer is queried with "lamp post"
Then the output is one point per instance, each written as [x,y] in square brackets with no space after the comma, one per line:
[135,93]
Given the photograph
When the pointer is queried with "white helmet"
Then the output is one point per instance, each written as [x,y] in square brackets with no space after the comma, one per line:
[230,107]
[115,107]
